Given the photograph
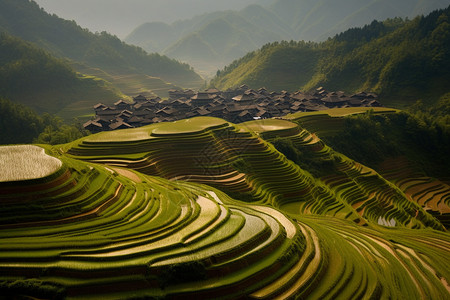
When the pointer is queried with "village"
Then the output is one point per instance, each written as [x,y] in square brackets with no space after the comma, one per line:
[234,105]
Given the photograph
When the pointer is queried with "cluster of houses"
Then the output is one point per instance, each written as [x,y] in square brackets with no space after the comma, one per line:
[234,105]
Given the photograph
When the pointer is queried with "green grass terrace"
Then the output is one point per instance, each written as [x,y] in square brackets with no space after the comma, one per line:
[206,209]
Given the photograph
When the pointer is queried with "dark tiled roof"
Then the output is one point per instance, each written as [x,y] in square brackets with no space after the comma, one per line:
[236,105]
[120,125]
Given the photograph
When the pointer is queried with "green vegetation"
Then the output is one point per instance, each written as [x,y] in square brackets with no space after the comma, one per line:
[58,132]
[20,125]
[401,60]
[146,213]
[129,229]
[91,51]
[232,158]
[66,38]
[212,40]
[276,66]
[187,126]
[305,159]
[345,203]
[38,288]
[422,135]
[33,77]
[130,84]
[409,149]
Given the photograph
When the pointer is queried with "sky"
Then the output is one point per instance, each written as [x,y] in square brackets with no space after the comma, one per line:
[120,17]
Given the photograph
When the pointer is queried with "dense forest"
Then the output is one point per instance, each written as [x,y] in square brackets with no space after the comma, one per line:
[20,124]
[421,134]
[402,60]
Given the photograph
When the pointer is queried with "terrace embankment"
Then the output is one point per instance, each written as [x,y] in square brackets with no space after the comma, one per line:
[342,187]
[241,161]
[142,235]
[430,193]
[308,222]
[204,150]
[366,262]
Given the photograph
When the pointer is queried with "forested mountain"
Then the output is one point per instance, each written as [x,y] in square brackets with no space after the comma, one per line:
[401,60]
[28,21]
[33,77]
[246,30]
[210,41]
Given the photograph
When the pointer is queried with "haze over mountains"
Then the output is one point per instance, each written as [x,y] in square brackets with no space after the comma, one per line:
[403,61]
[102,55]
[121,17]
[318,20]
[210,41]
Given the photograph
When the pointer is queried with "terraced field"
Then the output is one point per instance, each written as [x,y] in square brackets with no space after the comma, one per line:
[430,193]
[203,150]
[206,209]
[90,230]
[329,122]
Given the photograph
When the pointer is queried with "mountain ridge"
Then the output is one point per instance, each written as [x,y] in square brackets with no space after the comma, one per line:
[63,38]
[401,60]
[288,20]
[35,78]
[247,29]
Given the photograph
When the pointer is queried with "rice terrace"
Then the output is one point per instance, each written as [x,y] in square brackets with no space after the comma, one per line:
[133,214]
[210,149]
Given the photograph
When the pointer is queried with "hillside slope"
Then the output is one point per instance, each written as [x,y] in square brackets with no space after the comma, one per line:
[255,25]
[35,78]
[210,41]
[403,61]
[28,21]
